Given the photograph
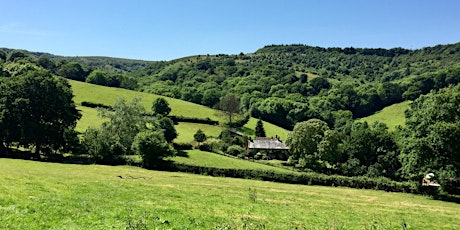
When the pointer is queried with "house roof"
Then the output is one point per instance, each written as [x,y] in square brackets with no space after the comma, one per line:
[267,143]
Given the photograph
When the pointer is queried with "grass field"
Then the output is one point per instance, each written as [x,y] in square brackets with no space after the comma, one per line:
[108,96]
[186,131]
[201,158]
[392,115]
[37,195]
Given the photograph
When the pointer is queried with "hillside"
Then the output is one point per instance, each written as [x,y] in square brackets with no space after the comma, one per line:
[108,96]
[392,115]
[38,195]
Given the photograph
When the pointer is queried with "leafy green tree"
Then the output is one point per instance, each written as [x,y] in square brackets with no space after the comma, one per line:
[167,126]
[199,136]
[260,130]
[36,109]
[46,63]
[231,105]
[161,107]
[126,120]
[432,136]
[320,83]
[370,150]
[102,146]
[152,147]
[98,77]
[72,70]
[312,141]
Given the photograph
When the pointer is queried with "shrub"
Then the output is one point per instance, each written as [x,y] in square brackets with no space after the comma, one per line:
[152,147]
[235,150]
[199,136]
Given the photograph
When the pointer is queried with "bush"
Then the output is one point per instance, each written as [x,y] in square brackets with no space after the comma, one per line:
[152,147]
[235,150]
[199,136]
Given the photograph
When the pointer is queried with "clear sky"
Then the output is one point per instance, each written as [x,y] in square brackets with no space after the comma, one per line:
[168,29]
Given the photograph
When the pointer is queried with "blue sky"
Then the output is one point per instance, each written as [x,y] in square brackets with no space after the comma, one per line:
[169,29]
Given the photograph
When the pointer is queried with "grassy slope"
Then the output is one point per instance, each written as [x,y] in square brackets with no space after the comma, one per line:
[108,96]
[37,195]
[392,115]
[201,158]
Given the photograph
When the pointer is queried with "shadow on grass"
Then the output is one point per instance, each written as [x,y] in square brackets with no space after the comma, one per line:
[182,153]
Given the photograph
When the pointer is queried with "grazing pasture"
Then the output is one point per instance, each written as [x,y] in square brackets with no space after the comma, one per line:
[392,115]
[108,96]
[38,195]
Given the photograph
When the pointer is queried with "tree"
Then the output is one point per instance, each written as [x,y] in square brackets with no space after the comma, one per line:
[126,120]
[260,130]
[432,133]
[152,147]
[311,141]
[320,83]
[199,136]
[97,77]
[230,104]
[72,70]
[167,126]
[36,109]
[161,107]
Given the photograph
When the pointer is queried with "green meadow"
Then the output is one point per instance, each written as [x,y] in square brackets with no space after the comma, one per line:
[392,115]
[107,96]
[38,195]
[207,159]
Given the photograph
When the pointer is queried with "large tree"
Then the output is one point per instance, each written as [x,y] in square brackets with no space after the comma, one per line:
[231,105]
[36,109]
[312,141]
[433,133]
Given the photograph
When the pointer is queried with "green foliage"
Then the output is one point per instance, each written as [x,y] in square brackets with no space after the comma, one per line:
[97,77]
[152,147]
[260,131]
[432,133]
[36,109]
[199,136]
[167,127]
[235,150]
[371,150]
[72,70]
[312,141]
[230,103]
[161,107]
[125,121]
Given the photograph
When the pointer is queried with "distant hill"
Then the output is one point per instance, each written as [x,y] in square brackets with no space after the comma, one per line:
[281,84]
[109,64]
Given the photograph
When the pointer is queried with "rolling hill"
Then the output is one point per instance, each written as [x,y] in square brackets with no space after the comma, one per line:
[107,96]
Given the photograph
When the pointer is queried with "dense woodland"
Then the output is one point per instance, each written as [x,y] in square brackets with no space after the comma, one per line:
[315,92]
